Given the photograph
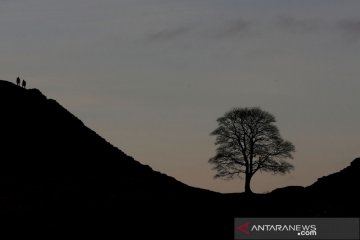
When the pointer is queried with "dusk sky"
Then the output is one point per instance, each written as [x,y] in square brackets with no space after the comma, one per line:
[152,76]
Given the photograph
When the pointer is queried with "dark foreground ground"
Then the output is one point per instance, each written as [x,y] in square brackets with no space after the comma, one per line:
[58,177]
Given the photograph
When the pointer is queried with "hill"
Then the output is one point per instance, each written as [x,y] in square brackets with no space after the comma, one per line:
[59,175]
[52,166]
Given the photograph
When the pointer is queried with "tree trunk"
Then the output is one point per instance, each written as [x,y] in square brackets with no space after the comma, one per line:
[247,183]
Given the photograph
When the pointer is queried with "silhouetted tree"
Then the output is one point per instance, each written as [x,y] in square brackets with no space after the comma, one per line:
[247,142]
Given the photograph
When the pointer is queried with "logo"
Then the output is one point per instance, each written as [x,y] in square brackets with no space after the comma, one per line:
[296,228]
[299,229]
[244,228]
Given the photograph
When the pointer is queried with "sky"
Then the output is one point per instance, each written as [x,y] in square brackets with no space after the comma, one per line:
[152,76]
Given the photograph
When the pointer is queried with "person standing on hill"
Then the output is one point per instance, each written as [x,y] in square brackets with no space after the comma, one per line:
[23,83]
[18,81]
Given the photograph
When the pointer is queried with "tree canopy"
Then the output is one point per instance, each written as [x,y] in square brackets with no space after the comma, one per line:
[248,142]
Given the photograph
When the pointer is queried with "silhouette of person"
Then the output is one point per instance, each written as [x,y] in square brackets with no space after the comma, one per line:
[23,83]
[18,81]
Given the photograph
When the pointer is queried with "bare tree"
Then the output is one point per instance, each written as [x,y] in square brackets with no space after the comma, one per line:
[247,142]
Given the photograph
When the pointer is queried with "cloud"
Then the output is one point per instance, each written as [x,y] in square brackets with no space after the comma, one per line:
[168,34]
[296,26]
[240,27]
[350,29]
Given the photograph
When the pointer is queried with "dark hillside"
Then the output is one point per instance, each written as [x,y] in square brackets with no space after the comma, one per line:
[52,166]
[57,174]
